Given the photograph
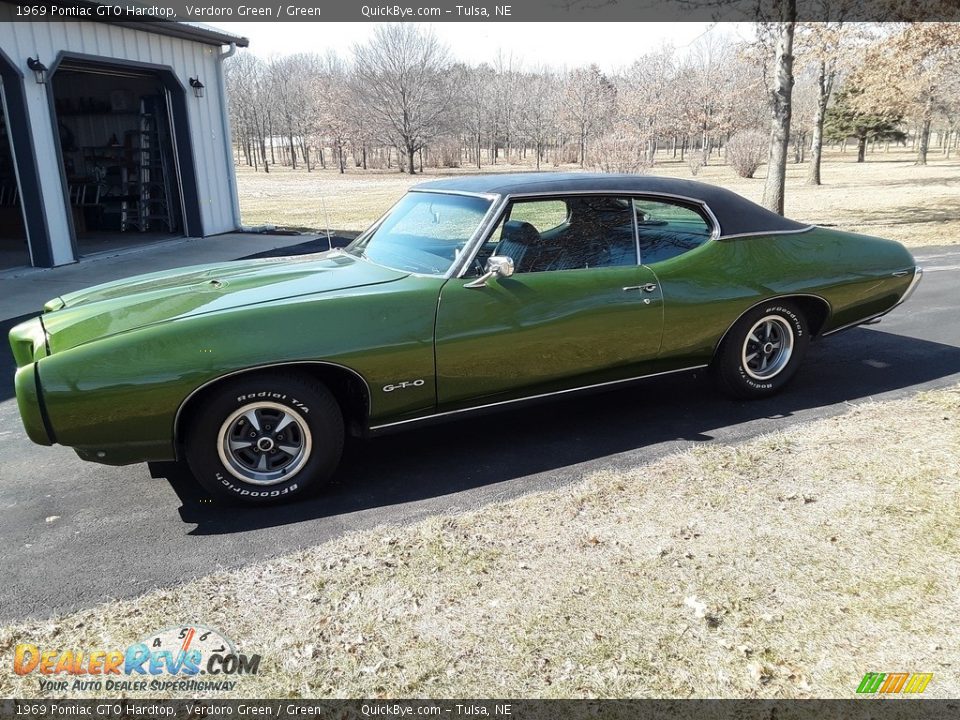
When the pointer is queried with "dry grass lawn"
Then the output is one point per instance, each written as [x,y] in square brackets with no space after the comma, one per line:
[787,566]
[886,196]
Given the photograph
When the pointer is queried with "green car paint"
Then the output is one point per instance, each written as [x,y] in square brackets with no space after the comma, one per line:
[112,370]
[538,330]
[117,307]
[850,276]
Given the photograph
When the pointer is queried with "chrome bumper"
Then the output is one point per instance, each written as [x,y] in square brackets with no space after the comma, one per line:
[917,276]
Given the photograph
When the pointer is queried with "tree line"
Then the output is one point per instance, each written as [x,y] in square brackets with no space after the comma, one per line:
[401,101]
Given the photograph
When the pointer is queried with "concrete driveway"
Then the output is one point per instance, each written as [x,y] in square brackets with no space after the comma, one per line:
[76,534]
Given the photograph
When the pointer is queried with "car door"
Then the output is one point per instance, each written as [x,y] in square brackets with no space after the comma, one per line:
[578,310]
[701,280]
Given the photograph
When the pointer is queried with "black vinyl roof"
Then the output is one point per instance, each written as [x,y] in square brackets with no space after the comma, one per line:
[735,214]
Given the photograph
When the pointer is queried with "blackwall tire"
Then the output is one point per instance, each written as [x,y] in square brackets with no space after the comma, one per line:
[763,351]
[265,438]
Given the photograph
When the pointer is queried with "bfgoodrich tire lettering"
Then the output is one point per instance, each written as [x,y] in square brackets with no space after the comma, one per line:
[264,438]
[762,351]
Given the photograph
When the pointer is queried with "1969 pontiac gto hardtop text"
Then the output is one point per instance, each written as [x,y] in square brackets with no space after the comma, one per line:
[469,293]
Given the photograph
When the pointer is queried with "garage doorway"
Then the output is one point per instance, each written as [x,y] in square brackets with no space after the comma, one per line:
[14,251]
[117,140]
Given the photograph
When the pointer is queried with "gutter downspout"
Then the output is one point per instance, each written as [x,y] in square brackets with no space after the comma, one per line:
[227,136]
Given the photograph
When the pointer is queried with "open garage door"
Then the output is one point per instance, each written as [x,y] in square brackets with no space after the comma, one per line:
[118,144]
[14,251]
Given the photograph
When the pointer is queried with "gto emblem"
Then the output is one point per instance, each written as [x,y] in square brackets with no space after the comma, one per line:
[403,385]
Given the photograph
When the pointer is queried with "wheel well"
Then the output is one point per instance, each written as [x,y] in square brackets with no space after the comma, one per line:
[348,388]
[815,309]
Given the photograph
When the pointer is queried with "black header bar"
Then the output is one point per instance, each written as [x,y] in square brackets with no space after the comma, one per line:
[487,10]
[854,709]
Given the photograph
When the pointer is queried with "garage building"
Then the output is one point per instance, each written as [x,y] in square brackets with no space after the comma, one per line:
[112,135]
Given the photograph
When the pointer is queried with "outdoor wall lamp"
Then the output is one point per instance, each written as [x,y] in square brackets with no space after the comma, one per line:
[39,69]
[197,87]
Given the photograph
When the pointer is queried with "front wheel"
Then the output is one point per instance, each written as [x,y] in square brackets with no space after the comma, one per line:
[265,438]
[762,351]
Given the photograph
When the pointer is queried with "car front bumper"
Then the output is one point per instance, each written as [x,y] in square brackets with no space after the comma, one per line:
[30,404]
[28,343]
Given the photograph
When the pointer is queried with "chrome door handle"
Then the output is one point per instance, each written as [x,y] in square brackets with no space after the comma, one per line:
[648,288]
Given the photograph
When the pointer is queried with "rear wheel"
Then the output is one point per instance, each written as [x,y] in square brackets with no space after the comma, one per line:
[264,438]
[762,351]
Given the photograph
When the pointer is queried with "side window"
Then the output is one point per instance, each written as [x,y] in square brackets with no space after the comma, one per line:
[544,215]
[667,229]
[571,233]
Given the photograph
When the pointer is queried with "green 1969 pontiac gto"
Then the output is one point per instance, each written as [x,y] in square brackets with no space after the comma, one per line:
[469,293]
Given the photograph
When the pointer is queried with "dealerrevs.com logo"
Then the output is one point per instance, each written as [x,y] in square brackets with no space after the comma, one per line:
[173,659]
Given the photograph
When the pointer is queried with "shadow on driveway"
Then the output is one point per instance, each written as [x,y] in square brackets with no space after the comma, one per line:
[8,368]
[483,451]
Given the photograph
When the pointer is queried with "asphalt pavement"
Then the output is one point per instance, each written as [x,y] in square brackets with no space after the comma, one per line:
[76,534]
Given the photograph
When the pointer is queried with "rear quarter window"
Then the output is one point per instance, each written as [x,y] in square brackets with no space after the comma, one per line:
[668,229]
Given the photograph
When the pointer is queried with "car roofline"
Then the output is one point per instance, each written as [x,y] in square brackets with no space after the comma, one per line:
[444,191]
[736,215]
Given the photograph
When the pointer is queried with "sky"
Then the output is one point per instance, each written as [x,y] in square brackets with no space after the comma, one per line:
[609,45]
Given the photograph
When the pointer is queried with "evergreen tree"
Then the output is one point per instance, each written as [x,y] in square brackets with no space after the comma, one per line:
[845,120]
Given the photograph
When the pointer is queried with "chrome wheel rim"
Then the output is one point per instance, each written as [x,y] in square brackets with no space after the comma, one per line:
[264,443]
[767,348]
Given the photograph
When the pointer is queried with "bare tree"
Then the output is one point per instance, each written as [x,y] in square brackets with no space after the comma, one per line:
[911,72]
[334,106]
[506,86]
[473,83]
[589,97]
[399,77]
[708,65]
[648,97]
[399,92]
[830,49]
[781,91]
[289,97]
[241,99]
[251,106]
[804,103]
[539,110]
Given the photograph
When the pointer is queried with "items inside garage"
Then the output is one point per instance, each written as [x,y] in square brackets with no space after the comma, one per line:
[13,236]
[117,143]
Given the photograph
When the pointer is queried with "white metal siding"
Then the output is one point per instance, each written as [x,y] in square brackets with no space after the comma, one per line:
[185,58]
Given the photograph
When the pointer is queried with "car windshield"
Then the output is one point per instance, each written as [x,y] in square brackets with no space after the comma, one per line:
[424,232]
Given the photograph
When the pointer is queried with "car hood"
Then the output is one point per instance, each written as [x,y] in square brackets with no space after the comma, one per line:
[105,310]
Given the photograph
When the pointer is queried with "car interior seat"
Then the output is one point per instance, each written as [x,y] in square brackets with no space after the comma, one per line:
[519,240]
[600,234]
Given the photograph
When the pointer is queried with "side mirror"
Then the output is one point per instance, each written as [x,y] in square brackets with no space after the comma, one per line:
[498,266]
